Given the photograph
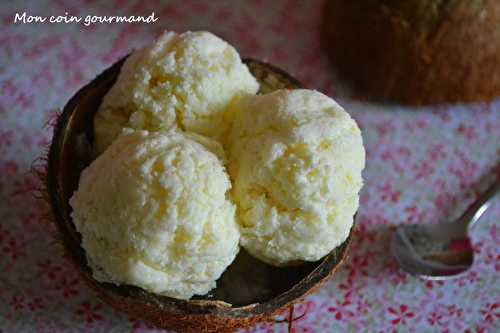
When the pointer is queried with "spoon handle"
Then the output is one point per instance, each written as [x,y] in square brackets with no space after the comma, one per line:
[474,212]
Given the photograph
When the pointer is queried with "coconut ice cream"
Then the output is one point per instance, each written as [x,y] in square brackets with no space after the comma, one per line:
[152,212]
[295,159]
[183,81]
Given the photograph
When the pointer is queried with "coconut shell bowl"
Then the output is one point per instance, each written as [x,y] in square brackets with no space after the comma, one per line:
[248,292]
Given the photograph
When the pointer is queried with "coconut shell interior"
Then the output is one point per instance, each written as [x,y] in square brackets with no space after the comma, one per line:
[248,291]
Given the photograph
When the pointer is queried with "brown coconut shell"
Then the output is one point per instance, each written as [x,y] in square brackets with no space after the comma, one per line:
[248,292]
[417,51]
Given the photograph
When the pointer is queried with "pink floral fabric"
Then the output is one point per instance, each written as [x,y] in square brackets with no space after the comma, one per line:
[423,164]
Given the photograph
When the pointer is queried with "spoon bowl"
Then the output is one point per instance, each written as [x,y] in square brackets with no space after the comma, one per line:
[432,251]
[440,251]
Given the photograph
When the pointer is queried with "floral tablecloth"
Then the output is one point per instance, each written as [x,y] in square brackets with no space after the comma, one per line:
[422,165]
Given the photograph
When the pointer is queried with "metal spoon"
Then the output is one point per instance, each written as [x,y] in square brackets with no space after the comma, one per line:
[440,251]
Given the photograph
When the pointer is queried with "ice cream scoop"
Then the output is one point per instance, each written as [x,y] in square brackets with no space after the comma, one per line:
[183,81]
[152,213]
[295,159]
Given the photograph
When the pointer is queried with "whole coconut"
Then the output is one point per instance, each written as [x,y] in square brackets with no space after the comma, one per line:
[417,51]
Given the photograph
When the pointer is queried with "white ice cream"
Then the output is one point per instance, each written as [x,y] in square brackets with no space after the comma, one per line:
[181,81]
[295,160]
[152,212]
